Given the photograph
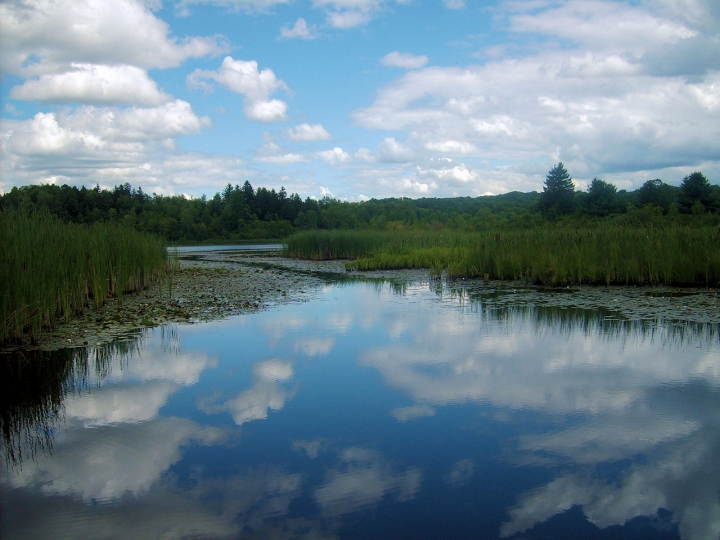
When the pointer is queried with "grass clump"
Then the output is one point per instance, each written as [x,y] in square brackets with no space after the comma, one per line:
[51,270]
[601,253]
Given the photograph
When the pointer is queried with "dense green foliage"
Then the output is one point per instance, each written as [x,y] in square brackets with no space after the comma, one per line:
[243,212]
[51,270]
[606,253]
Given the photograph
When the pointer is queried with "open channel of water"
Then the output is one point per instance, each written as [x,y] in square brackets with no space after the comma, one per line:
[371,411]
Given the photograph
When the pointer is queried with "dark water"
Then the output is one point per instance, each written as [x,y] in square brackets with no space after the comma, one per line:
[371,412]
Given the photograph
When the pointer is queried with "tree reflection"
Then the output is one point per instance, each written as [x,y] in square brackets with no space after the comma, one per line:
[35,384]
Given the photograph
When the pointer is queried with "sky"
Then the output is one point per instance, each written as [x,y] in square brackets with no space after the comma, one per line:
[357,99]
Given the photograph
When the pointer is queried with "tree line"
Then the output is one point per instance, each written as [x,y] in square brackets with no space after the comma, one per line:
[243,212]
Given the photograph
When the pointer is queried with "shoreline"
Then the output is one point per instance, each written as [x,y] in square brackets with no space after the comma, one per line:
[210,285]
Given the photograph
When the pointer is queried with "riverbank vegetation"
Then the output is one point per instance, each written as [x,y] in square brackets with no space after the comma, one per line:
[657,234]
[570,238]
[552,254]
[242,212]
[51,270]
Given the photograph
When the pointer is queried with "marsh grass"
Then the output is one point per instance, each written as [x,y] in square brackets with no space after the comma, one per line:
[550,255]
[51,270]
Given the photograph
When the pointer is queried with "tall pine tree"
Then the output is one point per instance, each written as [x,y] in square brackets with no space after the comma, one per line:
[558,196]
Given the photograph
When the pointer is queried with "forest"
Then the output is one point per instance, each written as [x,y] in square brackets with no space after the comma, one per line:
[242,212]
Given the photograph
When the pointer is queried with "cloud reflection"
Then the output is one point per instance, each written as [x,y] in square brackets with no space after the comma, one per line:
[639,390]
[362,479]
[111,462]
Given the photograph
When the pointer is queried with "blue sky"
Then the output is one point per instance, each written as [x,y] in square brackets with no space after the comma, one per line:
[358,98]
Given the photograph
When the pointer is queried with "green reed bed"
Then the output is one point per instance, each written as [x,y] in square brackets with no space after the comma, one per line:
[50,270]
[549,255]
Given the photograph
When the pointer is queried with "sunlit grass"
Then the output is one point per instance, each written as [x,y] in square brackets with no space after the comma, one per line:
[50,270]
[549,255]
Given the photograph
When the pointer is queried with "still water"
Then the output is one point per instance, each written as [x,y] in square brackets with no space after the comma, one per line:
[373,411]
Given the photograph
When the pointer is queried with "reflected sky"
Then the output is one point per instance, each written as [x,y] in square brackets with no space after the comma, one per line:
[374,411]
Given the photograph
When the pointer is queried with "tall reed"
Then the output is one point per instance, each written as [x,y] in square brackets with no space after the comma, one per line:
[50,270]
[550,254]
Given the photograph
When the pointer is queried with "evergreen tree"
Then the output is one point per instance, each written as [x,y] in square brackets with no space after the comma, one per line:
[558,196]
[695,188]
[602,198]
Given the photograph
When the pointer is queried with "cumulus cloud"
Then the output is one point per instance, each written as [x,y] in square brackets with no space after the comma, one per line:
[299,30]
[349,13]
[91,83]
[451,147]
[99,132]
[243,77]
[87,146]
[335,156]
[404,60]
[634,93]
[102,133]
[43,36]
[393,151]
[308,132]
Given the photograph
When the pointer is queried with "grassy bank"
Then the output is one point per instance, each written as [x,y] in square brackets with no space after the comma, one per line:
[51,270]
[549,255]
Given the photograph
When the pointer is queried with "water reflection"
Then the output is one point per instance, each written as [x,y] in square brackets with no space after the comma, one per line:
[379,412]
[36,383]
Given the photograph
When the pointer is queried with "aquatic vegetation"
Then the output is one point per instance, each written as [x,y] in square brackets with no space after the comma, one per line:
[600,253]
[51,270]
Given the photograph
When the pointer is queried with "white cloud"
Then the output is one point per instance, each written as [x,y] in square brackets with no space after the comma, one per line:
[404,60]
[393,151]
[335,156]
[266,111]
[103,133]
[451,147]
[40,36]
[283,159]
[308,132]
[606,25]
[91,83]
[349,13]
[454,4]
[58,148]
[299,30]
[235,5]
[243,77]
[457,175]
[632,98]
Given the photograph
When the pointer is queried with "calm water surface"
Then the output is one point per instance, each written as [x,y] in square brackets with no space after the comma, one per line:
[371,411]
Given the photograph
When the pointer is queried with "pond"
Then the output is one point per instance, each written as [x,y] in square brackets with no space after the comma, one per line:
[372,410]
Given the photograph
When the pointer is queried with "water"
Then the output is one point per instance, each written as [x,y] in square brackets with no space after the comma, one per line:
[228,248]
[372,411]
